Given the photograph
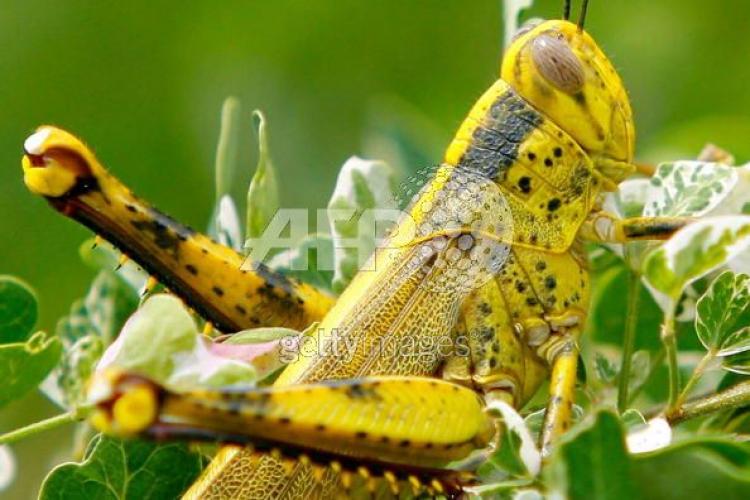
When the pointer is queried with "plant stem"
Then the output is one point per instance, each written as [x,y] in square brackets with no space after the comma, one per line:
[697,374]
[670,347]
[74,415]
[628,343]
[734,397]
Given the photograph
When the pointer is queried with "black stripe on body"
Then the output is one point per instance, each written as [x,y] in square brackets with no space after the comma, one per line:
[496,140]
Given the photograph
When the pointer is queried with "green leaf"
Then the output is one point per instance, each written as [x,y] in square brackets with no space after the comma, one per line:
[606,371]
[162,342]
[310,261]
[695,251]
[18,310]
[688,188]
[592,462]
[640,368]
[263,193]
[697,468]
[261,335]
[356,211]
[24,365]
[609,309]
[115,469]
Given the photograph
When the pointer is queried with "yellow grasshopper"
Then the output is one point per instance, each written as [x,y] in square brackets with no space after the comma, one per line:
[488,262]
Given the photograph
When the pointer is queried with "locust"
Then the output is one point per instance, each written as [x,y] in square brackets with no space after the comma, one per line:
[487,261]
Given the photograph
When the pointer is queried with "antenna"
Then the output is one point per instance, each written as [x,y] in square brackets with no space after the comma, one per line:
[566,10]
[582,16]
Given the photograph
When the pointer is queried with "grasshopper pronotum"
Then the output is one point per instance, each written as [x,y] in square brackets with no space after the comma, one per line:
[537,150]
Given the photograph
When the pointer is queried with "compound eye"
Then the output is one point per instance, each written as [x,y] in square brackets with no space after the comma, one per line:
[557,63]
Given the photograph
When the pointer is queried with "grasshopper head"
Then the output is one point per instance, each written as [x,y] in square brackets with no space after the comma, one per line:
[560,69]
[56,162]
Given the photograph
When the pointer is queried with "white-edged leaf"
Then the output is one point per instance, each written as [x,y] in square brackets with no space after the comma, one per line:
[227,224]
[629,199]
[738,202]
[738,363]
[688,188]
[90,326]
[736,343]
[7,467]
[694,251]
[511,12]
[356,213]
[526,449]
[654,435]
[723,311]
[632,418]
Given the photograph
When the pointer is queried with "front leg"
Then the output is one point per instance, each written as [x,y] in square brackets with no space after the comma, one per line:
[562,385]
[604,227]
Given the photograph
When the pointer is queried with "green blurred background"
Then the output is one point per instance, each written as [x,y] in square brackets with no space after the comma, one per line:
[143,81]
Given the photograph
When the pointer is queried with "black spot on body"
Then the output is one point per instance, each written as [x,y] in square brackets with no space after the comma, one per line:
[558,152]
[550,282]
[553,204]
[218,291]
[524,184]
[548,162]
[192,269]
[541,265]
